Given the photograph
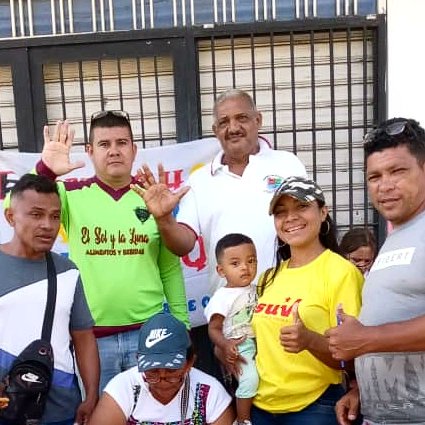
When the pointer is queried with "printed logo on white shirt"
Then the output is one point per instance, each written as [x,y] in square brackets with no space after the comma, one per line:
[155,336]
[397,257]
[272,182]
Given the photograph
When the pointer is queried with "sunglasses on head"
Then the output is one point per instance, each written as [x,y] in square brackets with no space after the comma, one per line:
[397,128]
[115,113]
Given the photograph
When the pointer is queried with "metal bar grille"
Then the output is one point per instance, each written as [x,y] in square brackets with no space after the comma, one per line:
[158,102]
[350,125]
[62,16]
[333,135]
[106,13]
[71,16]
[12,17]
[120,85]
[8,125]
[134,14]
[184,13]
[102,16]
[365,114]
[140,90]
[111,15]
[53,15]
[313,102]
[273,80]
[254,85]
[316,88]
[30,18]
[83,104]
[100,79]
[144,87]
[93,15]
[62,91]
[232,52]
[214,80]
[315,91]
[21,18]
[293,97]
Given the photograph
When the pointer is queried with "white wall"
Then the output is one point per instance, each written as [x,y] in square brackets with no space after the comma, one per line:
[406,59]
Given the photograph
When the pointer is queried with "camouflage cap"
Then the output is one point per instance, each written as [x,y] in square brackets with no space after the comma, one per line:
[301,188]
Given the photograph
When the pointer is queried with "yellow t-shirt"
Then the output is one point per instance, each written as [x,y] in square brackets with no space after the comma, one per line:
[290,382]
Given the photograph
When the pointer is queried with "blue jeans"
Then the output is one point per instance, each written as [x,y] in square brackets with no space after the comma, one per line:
[320,412]
[117,353]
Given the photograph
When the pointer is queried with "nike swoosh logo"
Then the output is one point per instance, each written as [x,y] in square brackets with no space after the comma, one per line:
[30,377]
[150,342]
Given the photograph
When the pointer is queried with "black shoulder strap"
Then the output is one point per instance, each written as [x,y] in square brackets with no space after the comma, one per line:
[46,333]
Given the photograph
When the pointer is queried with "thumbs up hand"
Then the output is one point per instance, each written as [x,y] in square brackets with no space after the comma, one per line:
[295,314]
[296,337]
[347,340]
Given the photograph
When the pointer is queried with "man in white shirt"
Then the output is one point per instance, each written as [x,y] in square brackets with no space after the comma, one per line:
[229,195]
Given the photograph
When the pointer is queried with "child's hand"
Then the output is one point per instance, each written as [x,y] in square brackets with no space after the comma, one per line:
[231,352]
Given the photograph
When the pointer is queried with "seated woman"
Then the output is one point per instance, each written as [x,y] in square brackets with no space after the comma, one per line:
[300,382]
[164,388]
[359,246]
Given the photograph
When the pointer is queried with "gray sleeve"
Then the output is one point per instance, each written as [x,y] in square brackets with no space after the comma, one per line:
[81,318]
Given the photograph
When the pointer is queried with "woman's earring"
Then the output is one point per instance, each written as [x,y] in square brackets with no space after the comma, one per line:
[328,229]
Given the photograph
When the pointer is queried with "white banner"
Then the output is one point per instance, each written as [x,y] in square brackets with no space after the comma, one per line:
[179,161]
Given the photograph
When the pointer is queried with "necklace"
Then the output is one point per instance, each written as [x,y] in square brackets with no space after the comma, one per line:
[184,399]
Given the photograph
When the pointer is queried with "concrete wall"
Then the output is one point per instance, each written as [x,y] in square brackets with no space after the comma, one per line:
[406,59]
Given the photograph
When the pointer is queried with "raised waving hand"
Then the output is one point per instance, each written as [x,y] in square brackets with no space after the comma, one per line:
[56,149]
[159,199]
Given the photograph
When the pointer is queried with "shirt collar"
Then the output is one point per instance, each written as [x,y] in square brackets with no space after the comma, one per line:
[216,163]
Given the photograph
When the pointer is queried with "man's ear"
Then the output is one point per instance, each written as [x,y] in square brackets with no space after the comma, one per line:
[214,129]
[259,119]
[8,215]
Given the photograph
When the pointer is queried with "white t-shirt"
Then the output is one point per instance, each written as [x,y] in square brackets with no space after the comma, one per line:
[220,202]
[237,306]
[207,400]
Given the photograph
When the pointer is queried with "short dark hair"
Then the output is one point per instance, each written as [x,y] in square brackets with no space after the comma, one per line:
[356,238]
[109,120]
[412,136]
[35,182]
[229,241]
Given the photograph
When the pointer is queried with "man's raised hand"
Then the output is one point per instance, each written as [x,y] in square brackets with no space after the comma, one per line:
[158,197]
[56,150]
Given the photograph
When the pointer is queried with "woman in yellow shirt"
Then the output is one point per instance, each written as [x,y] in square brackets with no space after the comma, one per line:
[300,382]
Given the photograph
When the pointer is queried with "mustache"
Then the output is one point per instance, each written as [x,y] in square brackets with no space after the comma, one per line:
[236,133]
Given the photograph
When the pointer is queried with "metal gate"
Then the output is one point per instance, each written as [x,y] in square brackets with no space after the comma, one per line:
[319,91]
[320,85]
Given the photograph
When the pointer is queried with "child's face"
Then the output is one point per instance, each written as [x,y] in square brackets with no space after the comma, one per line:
[238,264]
